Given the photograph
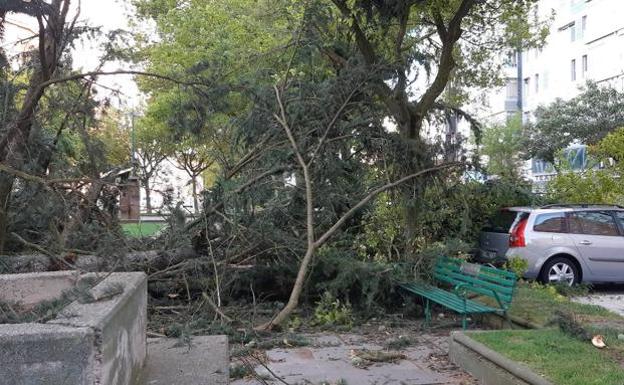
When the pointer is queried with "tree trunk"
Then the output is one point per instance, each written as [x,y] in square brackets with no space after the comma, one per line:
[293,301]
[13,144]
[148,196]
[414,190]
[6,186]
[195,200]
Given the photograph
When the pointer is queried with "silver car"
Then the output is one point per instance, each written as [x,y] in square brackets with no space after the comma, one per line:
[562,243]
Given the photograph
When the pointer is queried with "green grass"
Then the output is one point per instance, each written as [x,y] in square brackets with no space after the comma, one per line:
[537,304]
[143,229]
[558,357]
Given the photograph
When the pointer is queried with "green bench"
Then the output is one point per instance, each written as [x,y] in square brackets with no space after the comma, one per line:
[462,279]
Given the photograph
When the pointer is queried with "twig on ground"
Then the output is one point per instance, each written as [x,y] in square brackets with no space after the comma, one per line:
[216,308]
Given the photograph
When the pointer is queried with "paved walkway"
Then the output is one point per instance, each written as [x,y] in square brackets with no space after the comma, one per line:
[329,360]
[607,296]
[203,361]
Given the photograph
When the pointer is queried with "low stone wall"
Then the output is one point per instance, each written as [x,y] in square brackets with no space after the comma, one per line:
[101,342]
[488,366]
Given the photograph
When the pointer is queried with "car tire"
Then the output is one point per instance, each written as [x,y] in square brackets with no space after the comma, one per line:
[560,270]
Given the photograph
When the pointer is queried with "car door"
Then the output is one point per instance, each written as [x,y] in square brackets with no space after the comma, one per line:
[597,237]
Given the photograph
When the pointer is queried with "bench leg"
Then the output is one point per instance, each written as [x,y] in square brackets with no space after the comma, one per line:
[427,313]
[464,322]
[508,319]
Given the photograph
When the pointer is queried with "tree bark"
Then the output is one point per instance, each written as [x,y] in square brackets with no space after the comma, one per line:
[148,196]
[195,201]
[6,186]
[150,261]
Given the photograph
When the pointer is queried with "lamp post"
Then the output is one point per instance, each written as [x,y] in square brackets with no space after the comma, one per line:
[132,144]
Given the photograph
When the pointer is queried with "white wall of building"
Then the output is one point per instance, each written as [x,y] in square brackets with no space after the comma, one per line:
[171,178]
[586,42]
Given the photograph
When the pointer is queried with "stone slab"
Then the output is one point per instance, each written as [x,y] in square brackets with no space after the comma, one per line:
[205,361]
[32,288]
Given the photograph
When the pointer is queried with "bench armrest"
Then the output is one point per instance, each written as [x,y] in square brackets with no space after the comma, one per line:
[461,290]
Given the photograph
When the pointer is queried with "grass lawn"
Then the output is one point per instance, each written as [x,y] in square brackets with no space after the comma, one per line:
[142,229]
[560,358]
[538,304]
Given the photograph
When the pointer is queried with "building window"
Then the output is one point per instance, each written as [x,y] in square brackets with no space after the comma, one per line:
[584,66]
[512,59]
[512,88]
[583,25]
[573,70]
[572,32]
[525,90]
[536,83]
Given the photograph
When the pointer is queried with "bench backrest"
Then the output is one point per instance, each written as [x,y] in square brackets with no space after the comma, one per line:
[489,281]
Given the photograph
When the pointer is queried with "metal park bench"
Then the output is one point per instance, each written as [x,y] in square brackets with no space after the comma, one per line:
[462,278]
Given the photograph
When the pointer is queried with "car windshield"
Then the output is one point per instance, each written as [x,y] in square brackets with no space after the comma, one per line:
[501,222]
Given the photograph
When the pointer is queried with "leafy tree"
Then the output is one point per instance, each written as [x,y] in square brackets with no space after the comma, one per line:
[503,145]
[586,119]
[52,42]
[194,159]
[594,185]
[297,168]
[404,42]
[152,150]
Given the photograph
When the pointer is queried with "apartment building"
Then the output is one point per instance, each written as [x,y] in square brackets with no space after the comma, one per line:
[586,42]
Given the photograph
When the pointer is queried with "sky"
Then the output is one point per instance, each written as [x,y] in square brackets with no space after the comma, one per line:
[110,15]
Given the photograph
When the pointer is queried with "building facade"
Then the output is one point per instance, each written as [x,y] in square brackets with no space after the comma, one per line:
[586,43]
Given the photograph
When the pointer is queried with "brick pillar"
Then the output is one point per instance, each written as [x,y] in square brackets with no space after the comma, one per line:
[130,200]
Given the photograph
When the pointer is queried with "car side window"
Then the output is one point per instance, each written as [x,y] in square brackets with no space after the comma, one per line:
[550,223]
[620,217]
[593,223]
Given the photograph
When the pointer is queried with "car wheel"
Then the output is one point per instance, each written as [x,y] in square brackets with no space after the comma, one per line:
[560,270]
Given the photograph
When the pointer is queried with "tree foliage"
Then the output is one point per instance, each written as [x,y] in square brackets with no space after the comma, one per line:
[586,119]
[600,182]
[504,145]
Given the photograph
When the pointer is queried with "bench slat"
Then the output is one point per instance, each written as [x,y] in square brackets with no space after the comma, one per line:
[504,274]
[504,298]
[476,285]
[450,300]
[501,277]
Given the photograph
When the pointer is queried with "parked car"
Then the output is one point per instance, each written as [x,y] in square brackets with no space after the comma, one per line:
[562,243]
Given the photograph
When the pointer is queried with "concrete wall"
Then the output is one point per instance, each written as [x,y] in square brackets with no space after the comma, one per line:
[37,354]
[101,343]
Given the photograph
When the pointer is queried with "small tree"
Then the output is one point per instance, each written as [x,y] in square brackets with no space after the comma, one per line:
[503,145]
[150,154]
[194,159]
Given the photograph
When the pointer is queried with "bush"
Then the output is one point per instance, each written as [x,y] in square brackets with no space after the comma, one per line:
[331,312]
[517,265]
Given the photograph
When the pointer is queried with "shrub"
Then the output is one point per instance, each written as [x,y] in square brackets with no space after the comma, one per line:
[517,265]
[330,311]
